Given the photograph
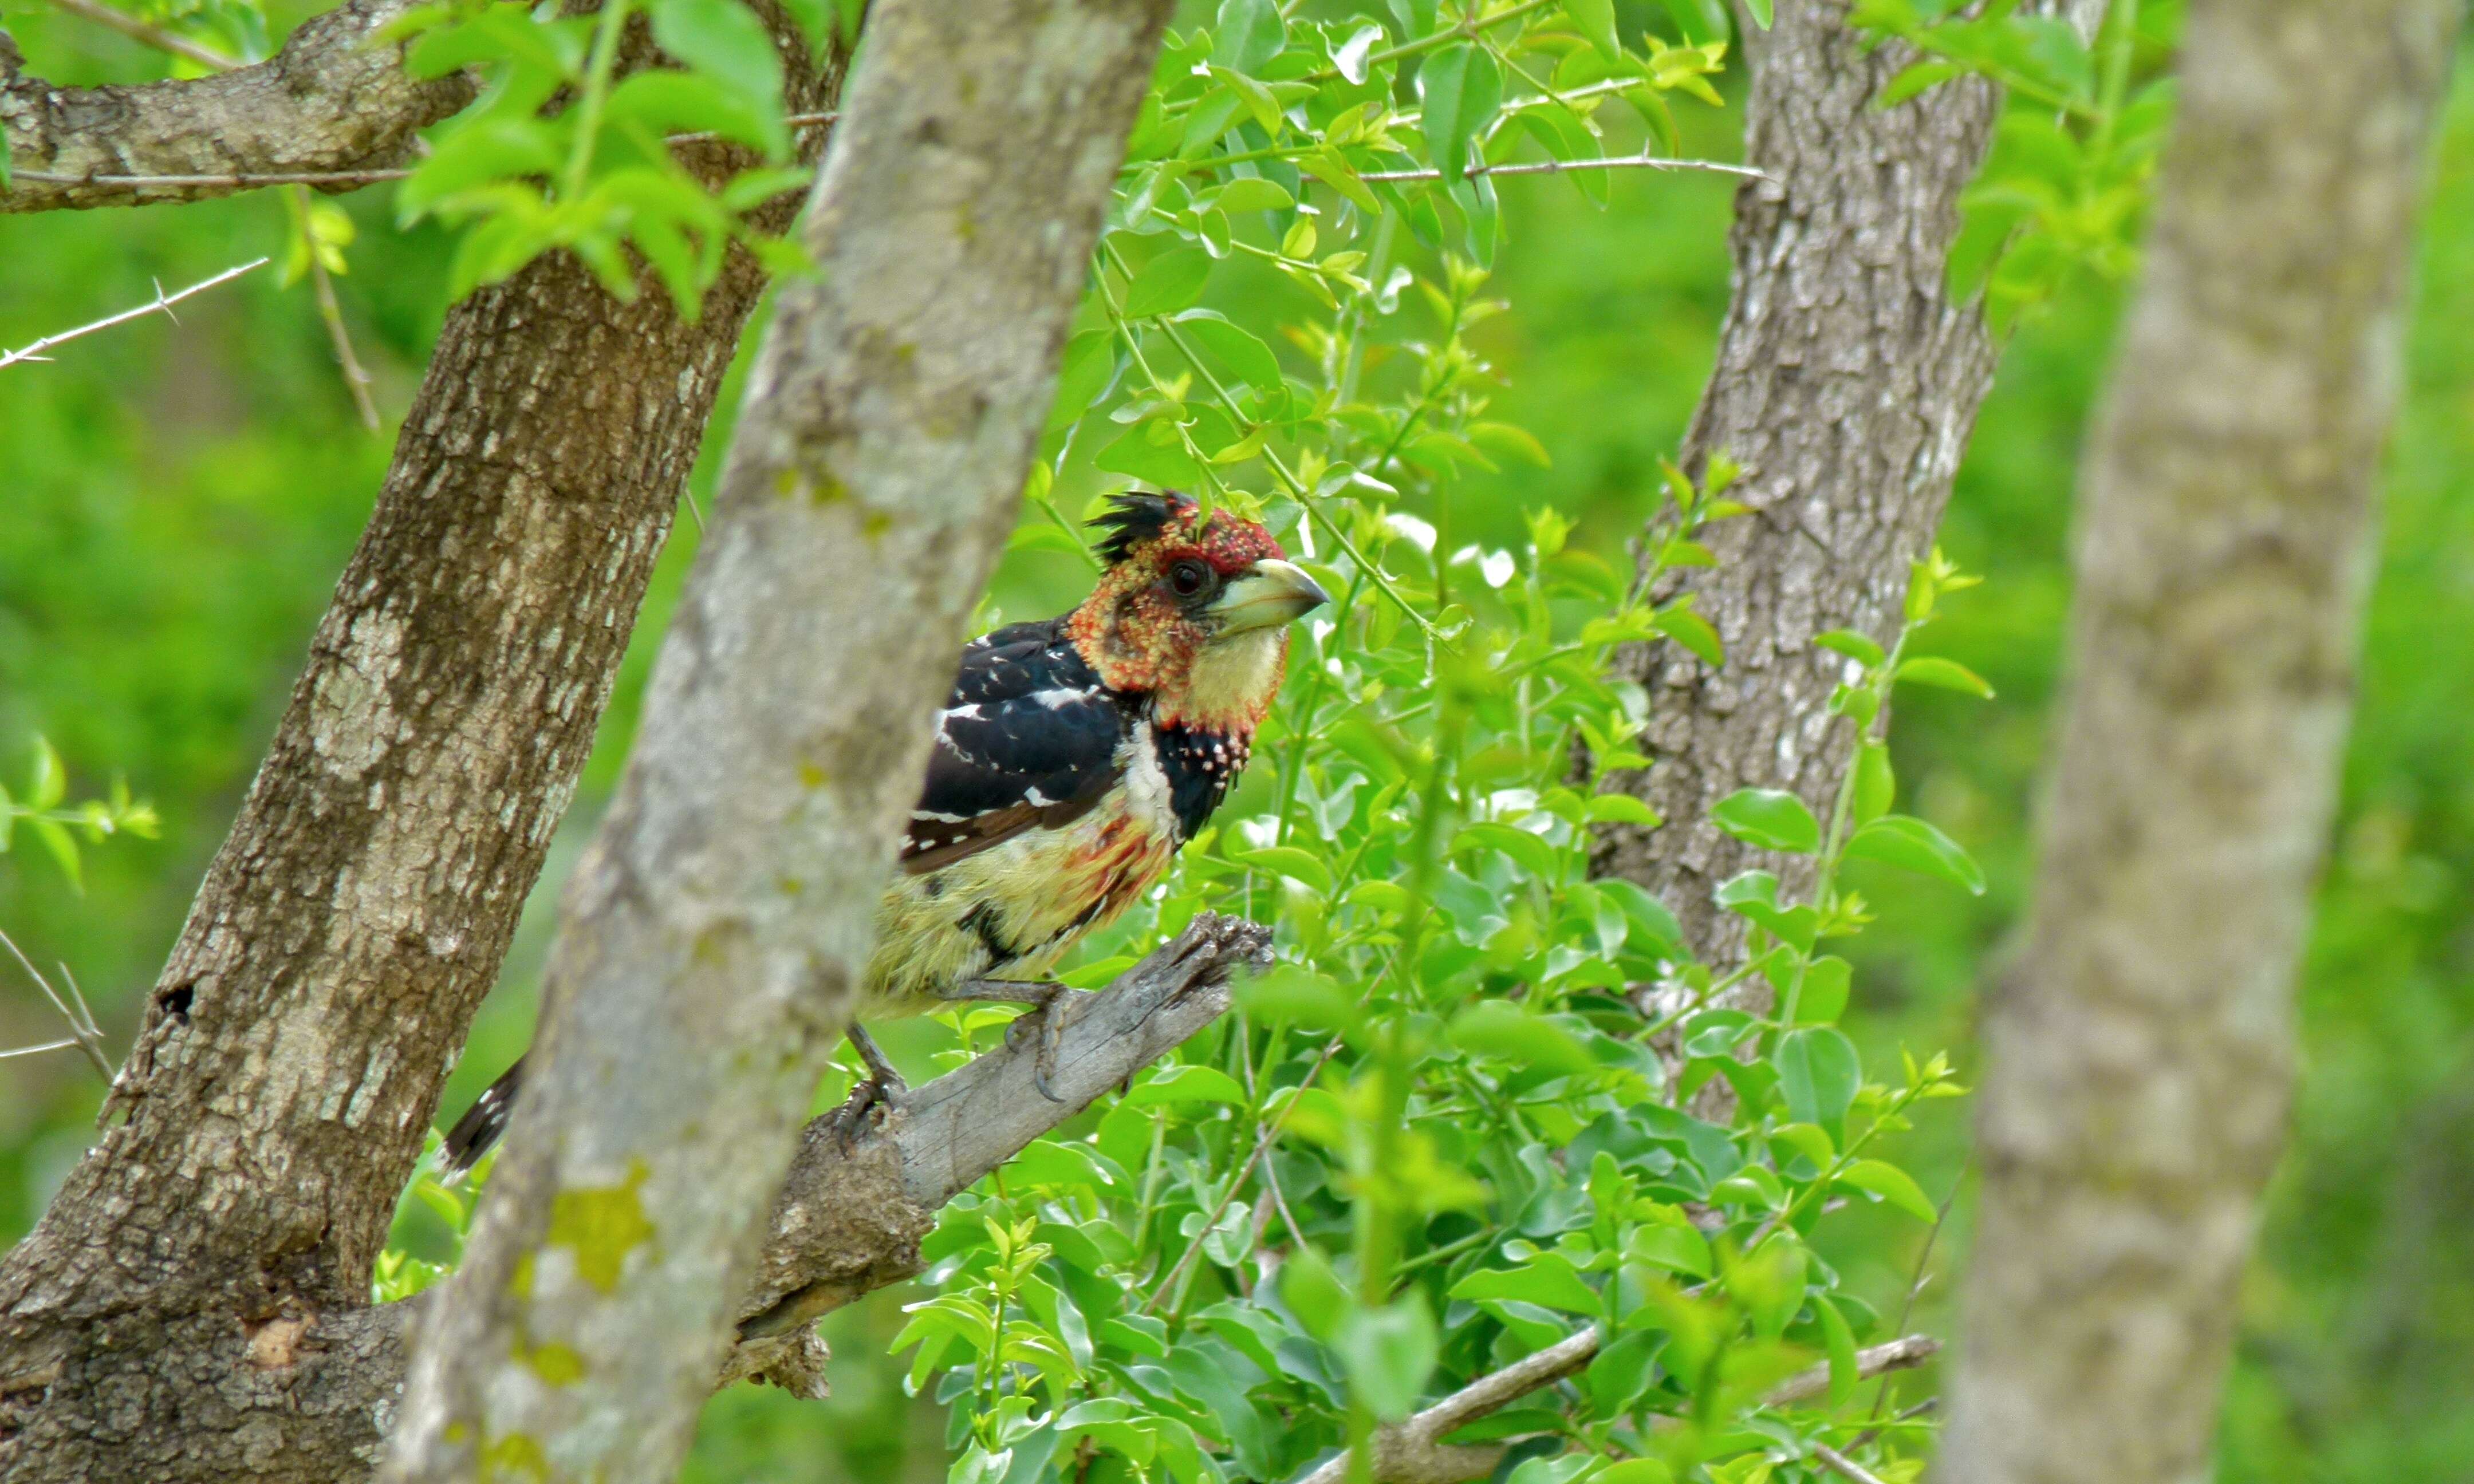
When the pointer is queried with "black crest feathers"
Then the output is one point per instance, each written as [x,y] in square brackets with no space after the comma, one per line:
[1134,518]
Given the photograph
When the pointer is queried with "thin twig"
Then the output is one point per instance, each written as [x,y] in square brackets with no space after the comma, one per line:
[1927,1404]
[49,1045]
[1549,167]
[329,309]
[162,302]
[1840,1464]
[83,1033]
[1412,1451]
[1916,1283]
[1270,1131]
[323,180]
[156,37]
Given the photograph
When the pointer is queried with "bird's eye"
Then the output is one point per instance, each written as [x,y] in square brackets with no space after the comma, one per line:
[1189,578]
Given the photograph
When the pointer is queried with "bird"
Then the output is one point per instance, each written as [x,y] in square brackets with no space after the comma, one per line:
[1072,759]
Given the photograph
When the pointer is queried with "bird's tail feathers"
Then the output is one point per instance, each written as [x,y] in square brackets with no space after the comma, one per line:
[478,1131]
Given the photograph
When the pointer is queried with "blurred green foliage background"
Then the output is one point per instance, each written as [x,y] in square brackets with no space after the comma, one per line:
[176,500]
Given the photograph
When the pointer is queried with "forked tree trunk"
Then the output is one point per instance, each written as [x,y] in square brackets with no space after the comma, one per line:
[163,1322]
[1845,384]
[2138,1064]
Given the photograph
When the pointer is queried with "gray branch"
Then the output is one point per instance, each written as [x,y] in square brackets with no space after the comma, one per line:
[868,1179]
[334,99]
[717,934]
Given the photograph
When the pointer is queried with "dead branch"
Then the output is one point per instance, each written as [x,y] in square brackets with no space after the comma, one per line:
[161,303]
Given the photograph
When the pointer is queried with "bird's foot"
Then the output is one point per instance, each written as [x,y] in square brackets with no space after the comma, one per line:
[1046,1000]
[879,1088]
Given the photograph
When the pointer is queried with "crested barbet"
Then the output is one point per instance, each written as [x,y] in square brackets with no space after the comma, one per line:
[1072,759]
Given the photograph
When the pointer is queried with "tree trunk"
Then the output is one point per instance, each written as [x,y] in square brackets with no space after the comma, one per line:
[716,931]
[1845,384]
[2136,1092]
[285,1073]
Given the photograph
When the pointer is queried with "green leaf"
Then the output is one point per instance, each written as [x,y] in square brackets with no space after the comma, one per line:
[1948,674]
[49,782]
[1596,20]
[667,102]
[1904,841]
[1533,854]
[1635,1471]
[1653,924]
[1840,1339]
[1886,1181]
[1818,1072]
[1333,169]
[1621,1370]
[1314,1294]
[1248,33]
[1700,20]
[724,39]
[1826,980]
[1462,87]
[1856,646]
[57,840]
[481,153]
[1922,76]
[1289,861]
[1876,787]
[1622,810]
[1168,282]
[1234,347]
[1770,817]
[1290,995]
[1388,1354]
[1549,1279]
[1760,13]
[1501,1029]
[1677,1248]
[1693,631]
[1182,1083]
[1090,361]
[1254,193]
[1165,465]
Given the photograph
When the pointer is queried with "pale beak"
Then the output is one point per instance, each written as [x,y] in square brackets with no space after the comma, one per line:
[1272,592]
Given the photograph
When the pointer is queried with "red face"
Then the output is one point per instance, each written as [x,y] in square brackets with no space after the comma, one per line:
[1193,610]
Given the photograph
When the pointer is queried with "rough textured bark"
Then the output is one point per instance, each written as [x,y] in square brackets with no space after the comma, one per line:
[713,934]
[2138,1063]
[289,1061]
[328,100]
[319,1390]
[1845,384]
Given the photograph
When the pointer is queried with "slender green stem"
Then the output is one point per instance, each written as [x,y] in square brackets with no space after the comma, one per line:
[595,96]
[1465,31]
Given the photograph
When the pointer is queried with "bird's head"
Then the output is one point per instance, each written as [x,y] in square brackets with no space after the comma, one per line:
[1195,611]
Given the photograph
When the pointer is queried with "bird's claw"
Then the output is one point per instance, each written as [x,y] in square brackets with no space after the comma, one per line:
[1051,1037]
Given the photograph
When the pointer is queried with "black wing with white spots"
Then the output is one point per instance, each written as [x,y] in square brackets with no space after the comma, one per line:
[1028,740]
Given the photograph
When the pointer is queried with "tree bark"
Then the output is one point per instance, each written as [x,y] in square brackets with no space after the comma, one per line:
[328,100]
[2137,1085]
[317,1391]
[715,933]
[289,1061]
[1845,384]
